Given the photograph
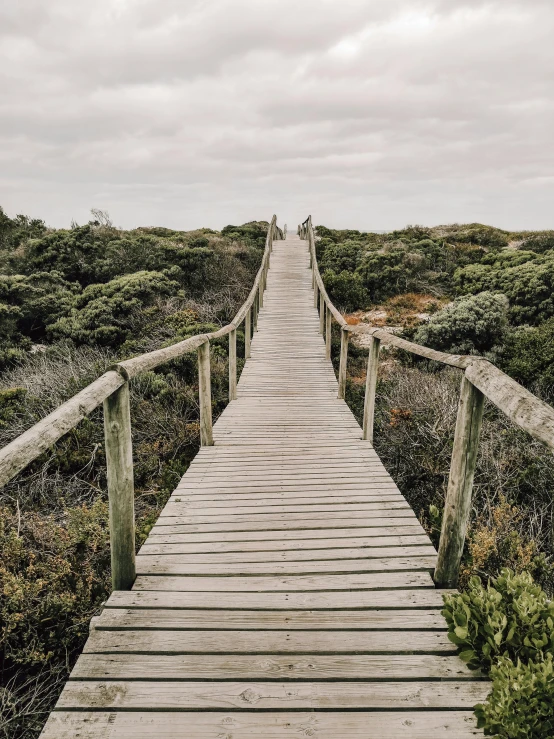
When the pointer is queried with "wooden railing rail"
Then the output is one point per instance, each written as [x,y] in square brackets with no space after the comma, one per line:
[480,379]
[112,390]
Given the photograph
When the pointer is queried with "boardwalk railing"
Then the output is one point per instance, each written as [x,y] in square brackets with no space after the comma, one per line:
[480,379]
[112,389]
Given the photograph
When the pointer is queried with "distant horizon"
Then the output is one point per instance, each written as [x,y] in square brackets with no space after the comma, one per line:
[280,222]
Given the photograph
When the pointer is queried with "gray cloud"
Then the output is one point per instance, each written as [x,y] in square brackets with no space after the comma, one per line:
[369,115]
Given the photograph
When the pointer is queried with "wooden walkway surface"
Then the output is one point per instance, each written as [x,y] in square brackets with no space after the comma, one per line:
[285,590]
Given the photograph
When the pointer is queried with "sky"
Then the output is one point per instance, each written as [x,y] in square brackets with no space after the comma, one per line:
[368,114]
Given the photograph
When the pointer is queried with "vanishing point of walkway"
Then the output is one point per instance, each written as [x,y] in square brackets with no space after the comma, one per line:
[285,590]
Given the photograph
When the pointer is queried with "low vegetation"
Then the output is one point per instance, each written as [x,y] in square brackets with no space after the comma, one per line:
[474,290]
[71,301]
[507,630]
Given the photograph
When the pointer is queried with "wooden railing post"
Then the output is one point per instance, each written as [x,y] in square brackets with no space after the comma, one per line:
[370,386]
[328,317]
[205,393]
[247,333]
[233,364]
[321,312]
[344,336]
[121,493]
[255,312]
[316,290]
[460,483]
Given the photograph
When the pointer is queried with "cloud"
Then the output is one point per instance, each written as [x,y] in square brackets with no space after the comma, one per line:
[368,115]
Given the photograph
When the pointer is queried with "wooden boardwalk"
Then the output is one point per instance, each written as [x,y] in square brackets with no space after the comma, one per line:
[285,590]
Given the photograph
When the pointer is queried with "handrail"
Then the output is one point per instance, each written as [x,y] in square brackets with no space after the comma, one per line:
[481,379]
[112,389]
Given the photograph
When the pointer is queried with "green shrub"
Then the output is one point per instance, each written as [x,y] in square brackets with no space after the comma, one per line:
[473,323]
[540,242]
[512,617]
[527,354]
[384,273]
[528,284]
[345,289]
[103,314]
[341,257]
[521,703]
[53,576]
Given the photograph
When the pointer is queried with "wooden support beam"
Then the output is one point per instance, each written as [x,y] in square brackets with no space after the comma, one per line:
[205,393]
[121,493]
[321,313]
[344,335]
[255,309]
[233,365]
[460,484]
[370,386]
[247,333]
[316,290]
[328,317]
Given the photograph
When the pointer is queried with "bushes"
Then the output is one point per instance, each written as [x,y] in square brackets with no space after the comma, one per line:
[527,355]
[52,577]
[513,617]
[527,279]
[341,257]
[521,701]
[469,324]
[101,314]
[346,290]
[507,628]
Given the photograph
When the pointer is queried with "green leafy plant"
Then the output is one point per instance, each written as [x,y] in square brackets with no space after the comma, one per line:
[511,616]
[520,705]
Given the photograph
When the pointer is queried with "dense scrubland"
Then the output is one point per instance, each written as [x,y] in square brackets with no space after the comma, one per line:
[467,289]
[72,300]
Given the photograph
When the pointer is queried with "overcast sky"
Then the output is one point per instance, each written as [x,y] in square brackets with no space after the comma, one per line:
[365,113]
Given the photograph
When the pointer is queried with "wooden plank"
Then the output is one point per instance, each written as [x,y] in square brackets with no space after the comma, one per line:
[322,599]
[267,549]
[365,581]
[287,555]
[313,537]
[179,525]
[252,725]
[272,667]
[167,618]
[269,642]
[177,564]
[178,507]
[185,696]
[224,500]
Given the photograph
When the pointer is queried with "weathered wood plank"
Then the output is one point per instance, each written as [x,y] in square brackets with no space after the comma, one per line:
[177,564]
[322,599]
[248,695]
[252,725]
[167,618]
[269,642]
[313,537]
[272,667]
[178,525]
[366,581]
[285,555]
